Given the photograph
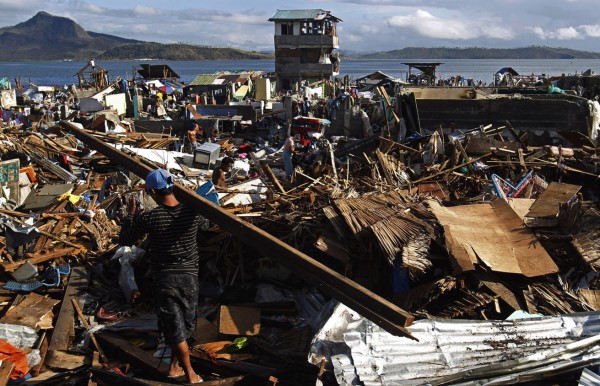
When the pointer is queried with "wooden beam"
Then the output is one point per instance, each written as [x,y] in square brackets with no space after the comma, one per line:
[365,302]
[151,366]
[64,329]
[273,178]
[87,327]
[37,258]
[388,103]
[6,370]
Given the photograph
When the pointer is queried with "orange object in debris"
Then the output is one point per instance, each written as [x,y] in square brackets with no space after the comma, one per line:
[12,354]
[30,173]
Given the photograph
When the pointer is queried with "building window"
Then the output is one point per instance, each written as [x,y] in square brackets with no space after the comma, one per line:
[307,28]
[287,28]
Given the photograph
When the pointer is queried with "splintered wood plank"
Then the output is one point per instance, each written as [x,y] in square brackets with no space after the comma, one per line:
[384,166]
[153,367]
[36,258]
[239,320]
[43,347]
[64,329]
[63,360]
[547,204]
[272,178]
[6,370]
[33,311]
[55,231]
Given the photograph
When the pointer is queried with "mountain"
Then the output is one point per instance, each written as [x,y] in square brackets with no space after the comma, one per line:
[533,52]
[177,52]
[48,37]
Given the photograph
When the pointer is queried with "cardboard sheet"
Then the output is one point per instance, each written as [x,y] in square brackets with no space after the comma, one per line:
[492,235]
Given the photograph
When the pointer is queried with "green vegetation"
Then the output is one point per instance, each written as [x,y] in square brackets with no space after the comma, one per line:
[177,52]
[532,52]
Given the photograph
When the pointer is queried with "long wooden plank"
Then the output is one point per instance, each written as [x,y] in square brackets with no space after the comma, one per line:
[112,378]
[37,258]
[152,367]
[367,303]
[63,328]
[6,370]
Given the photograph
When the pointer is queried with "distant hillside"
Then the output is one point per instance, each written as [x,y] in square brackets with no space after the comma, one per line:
[177,52]
[533,52]
[48,37]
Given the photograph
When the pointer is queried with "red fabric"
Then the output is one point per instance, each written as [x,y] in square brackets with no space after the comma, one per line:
[12,354]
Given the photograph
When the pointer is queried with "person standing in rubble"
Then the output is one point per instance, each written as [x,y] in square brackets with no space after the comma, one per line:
[172,229]
[289,148]
[192,136]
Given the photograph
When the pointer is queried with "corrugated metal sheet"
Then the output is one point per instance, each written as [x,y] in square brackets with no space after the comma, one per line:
[301,14]
[234,78]
[463,350]
[204,79]
[588,378]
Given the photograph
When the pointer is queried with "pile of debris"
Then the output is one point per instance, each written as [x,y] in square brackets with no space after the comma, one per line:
[373,244]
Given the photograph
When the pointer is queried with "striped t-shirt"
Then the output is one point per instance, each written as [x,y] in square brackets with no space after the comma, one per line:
[172,236]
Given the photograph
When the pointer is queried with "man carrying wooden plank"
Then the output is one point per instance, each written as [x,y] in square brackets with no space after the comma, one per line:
[172,228]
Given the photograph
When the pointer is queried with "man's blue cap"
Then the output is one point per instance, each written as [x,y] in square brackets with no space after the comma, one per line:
[159,179]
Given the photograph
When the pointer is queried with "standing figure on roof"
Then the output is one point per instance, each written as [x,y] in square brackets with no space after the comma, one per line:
[172,229]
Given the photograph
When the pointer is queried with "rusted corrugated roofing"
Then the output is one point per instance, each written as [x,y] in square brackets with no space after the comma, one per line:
[464,349]
[234,78]
[302,14]
[204,79]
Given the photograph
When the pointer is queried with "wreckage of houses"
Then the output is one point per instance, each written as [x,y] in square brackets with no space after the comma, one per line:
[401,251]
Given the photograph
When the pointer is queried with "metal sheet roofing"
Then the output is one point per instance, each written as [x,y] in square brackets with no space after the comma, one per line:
[234,78]
[462,349]
[302,14]
[204,79]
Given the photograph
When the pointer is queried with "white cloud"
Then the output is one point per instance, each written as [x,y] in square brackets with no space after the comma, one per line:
[21,5]
[370,29]
[591,30]
[567,33]
[428,25]
[141,10]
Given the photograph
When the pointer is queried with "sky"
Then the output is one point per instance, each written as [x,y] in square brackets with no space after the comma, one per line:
[367,25]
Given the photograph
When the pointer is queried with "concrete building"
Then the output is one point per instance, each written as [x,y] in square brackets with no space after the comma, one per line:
[304,44]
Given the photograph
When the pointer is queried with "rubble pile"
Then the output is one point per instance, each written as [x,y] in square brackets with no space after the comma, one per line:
[393,235]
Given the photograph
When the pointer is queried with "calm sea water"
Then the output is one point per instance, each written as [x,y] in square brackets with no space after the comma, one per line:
[64,73]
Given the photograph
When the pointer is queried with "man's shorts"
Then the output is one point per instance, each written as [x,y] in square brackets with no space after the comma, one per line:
[176,298]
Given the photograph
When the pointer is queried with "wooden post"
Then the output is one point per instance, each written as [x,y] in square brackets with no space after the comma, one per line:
[87,327]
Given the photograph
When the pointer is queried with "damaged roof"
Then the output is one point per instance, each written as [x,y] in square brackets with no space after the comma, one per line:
[204,79]
[302,14]
[156,71]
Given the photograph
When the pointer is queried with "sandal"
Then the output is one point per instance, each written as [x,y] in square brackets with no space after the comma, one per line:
[181,374]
